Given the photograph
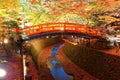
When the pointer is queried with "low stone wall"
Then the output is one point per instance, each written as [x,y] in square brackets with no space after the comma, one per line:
[38,44]
[102,66]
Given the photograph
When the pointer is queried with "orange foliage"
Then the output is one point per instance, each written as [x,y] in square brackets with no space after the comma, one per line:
[34,2]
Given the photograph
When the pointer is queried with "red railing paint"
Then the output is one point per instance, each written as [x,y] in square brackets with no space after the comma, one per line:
[55,27]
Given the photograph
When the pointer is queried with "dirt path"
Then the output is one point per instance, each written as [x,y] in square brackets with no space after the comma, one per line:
[14,68]
[112,52]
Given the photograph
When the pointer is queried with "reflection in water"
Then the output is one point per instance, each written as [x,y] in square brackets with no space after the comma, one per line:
[58,72]
[56,69]
[55,49]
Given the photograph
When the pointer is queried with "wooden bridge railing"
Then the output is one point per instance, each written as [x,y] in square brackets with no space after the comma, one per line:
[58,27]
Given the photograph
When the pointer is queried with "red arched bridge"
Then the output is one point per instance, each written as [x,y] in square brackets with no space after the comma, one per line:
[51,29]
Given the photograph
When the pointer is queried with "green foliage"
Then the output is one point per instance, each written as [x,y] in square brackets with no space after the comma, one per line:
[9,27]
[10,24]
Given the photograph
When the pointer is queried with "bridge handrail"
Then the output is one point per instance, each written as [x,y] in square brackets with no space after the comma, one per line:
[63,27]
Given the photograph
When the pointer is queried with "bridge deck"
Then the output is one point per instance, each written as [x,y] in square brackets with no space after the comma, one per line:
[61,28]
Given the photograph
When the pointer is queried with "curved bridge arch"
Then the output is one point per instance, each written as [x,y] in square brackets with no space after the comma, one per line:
[50,29]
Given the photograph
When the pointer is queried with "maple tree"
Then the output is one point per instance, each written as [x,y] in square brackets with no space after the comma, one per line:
[9,8]
[39,11]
